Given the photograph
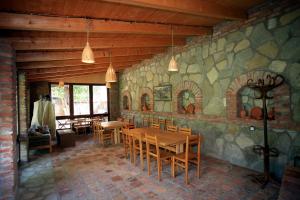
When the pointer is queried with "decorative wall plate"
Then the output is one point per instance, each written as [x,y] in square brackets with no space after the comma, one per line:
[256,113]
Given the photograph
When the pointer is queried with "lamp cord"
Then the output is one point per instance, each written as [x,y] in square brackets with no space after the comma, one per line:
[88,30]
[172,40]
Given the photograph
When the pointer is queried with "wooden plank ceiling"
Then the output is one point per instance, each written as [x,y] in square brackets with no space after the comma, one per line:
[49,35]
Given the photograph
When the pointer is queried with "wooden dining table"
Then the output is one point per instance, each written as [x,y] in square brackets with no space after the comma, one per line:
[165,138]
[116,126]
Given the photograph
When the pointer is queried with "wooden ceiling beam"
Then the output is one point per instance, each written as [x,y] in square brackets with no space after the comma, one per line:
[61,24]
[70,55]
[191,7]
[69,74]
[76,68]
[69,63]
[28,43]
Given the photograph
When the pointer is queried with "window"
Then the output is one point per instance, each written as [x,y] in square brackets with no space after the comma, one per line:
[81,98]
[99,99]
[61,99]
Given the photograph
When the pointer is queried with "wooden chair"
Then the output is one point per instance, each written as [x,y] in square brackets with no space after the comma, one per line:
[187,131]
[127,143]
[172,128]
[96,131]
[155,126]
[104,135]
[138,149]
[146,122]
[183,159]
[162,123]
[154,121]
[80,126]
[160,156]
[169,122]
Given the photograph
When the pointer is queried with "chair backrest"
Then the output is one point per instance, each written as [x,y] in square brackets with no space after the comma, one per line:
[130,126]
[172,128]
[169,122]
[146,121]
[152,140]
[155,120]
[185,130]
[97,128]
[195,142]
[153,125]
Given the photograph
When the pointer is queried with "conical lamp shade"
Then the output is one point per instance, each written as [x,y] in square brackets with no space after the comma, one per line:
[108,85]
[87,54]
[173,65]
[61,84]
[110,75]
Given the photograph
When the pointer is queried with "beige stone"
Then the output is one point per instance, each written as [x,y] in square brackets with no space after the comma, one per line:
[277,66]
[269,49]
[248,31]
[229,47]
[221,44]
[212,75]
[287,18]
[205,51]
[257,61]
[241,45]
[222,65]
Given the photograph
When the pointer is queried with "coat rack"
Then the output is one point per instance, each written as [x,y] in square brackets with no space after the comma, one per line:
[264,86]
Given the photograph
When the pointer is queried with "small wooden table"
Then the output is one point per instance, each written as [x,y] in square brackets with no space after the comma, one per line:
[115,125]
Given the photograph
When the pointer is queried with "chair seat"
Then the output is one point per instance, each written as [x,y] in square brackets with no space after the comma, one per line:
[181,156]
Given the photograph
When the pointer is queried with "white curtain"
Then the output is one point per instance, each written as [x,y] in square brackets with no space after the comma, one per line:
[44,115]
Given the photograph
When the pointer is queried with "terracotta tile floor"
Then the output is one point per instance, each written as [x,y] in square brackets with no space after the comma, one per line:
[90,171]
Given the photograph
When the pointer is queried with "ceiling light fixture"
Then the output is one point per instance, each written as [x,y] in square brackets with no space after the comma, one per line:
[61,84]
[172,64]
[87,53]
[110,75]
[108,85]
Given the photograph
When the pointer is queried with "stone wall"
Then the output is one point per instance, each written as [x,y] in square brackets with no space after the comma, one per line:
[8,122]
[269,41]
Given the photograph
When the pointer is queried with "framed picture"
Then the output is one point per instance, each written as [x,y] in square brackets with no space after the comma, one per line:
[163,93]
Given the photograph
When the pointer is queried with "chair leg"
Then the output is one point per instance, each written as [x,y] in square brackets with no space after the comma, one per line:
[159,169]
[173,167]
[186,173]
[198,169]
[148,164]
[134,153]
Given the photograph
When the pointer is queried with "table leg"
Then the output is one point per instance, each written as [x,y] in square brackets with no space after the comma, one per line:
[116,135]
[141,155]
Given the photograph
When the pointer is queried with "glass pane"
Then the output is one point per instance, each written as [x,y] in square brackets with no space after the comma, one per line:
[81,99]
[61,99]
[100,99]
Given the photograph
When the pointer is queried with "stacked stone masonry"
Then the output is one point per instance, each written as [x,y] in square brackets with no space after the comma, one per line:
[8,88]
[219,66]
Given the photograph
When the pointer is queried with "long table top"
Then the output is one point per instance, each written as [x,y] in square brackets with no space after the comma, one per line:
[113,124]
[166,138]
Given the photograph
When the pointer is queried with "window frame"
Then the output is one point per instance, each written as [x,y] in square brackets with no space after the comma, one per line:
[72,116]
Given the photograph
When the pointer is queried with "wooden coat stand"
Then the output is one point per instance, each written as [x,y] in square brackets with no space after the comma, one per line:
[263,86]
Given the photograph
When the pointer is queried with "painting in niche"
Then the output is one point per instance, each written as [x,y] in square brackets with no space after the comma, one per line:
[163,93]
[186,102]
[145,102]
[125,103]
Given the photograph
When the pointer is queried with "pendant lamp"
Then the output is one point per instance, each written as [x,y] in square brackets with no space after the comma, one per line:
[87,53]
[110,75]
[172,64]
[108,85]
[61,84]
